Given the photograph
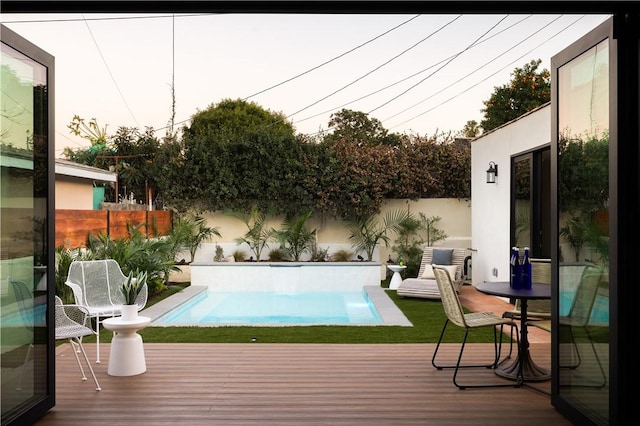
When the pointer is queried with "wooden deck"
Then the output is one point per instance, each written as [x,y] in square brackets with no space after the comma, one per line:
[300,384]
[293,384]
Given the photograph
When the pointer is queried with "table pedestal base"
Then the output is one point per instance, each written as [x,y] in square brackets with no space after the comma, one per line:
[530,371]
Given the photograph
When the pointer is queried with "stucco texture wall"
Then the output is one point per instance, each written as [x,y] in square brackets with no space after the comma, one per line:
[73,194]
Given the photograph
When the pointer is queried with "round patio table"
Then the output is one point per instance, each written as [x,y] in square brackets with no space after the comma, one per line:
[522,368]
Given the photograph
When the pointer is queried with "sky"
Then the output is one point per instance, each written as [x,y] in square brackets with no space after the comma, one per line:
[416,74]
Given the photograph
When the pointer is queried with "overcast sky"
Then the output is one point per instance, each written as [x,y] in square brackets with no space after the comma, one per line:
[417,74]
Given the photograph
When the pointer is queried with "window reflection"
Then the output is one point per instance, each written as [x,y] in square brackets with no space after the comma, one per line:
[583,206]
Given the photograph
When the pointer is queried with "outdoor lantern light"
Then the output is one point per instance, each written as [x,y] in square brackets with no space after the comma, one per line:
[492,172]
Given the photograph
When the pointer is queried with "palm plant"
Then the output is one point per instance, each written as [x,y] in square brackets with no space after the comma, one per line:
[257,235]
[294,236]
[367,231]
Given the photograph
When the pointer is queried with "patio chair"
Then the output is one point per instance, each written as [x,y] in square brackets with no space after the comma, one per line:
[71,324]
[578,319]
[96,286]
[424,285]
[24,300]
[456,315]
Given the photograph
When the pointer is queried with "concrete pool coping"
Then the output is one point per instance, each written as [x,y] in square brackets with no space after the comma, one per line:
[388,311]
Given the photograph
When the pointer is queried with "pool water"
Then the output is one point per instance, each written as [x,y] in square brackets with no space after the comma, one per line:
[274,308]
[599,313]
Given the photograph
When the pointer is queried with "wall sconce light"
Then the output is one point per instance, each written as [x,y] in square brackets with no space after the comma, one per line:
[492,172]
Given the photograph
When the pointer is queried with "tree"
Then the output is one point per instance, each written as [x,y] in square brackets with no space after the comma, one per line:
[527,90]
[367,231]
[356,127]
[258,233]
[294,236]
[471,129]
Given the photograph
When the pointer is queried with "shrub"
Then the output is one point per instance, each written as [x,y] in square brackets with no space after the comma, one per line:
[342,256]
[239,256]
[277,255]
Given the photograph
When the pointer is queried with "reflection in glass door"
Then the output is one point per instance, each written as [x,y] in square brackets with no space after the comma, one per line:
[583,204]
[25,355]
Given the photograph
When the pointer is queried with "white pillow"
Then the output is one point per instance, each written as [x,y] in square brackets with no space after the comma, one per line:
[428,271]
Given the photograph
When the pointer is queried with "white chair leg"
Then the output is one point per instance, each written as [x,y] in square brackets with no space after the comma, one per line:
[24,365]
[86,358]
[77,348]
[97,340]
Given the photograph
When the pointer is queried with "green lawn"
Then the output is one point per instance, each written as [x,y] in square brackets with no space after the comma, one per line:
[426,316]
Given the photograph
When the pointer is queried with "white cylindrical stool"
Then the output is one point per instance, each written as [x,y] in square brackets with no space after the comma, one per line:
[396,279]
[126,357]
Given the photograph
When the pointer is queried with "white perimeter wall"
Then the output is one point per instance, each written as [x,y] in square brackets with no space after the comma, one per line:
[490,218]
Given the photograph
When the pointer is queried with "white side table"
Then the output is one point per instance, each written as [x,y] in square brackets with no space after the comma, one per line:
[396,279]
[126,357]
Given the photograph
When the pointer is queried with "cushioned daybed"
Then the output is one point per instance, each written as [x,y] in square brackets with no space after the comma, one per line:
[424,285]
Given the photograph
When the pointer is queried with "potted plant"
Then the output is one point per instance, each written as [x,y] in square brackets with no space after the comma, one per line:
[130,290]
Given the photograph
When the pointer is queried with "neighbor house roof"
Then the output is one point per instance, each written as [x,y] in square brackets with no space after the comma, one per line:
[69,168]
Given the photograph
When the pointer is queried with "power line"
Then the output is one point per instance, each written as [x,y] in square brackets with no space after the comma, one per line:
[486,78]
[444,65]
[332,59]
[477,69]
[378,67]
[409,76]
[111,75]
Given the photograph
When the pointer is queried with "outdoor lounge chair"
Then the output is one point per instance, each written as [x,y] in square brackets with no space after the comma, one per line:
[456,315]
[96,286]
[424,285]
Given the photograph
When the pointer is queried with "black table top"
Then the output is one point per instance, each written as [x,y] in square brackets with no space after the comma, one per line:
[502,289]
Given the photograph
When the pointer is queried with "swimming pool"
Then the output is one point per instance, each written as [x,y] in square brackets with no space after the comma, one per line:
[274,308]
[599,313]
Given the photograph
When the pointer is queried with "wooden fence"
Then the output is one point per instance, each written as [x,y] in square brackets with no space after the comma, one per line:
[74,226]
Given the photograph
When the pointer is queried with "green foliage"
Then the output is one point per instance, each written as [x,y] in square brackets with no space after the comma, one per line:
[219,256]
[294,236]
[527,90]
[367,231]
[136,253]
[189,232]
[360,130]
[413,234]
[257,235]
[90,131]
[277,254]
[318,254]
[239,256]
[63,258]
[583,164]
[131,289]
[342,255]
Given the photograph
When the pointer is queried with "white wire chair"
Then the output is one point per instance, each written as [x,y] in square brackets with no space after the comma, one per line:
[71,324]
[96,286]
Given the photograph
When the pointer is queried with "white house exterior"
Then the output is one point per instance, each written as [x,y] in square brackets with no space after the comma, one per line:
[490,214]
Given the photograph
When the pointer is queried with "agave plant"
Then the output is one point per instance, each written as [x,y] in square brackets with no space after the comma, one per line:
[133,286]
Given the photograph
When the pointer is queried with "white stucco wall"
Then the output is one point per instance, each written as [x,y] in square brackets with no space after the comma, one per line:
[490,217]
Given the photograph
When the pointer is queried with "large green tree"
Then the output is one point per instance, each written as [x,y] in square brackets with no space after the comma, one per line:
[527,90]
[358,128]
[238,155]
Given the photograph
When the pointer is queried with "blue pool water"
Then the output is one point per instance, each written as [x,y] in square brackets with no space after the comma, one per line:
[274,308]
[599,313]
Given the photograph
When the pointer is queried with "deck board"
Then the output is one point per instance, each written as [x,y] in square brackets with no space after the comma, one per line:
[294,384]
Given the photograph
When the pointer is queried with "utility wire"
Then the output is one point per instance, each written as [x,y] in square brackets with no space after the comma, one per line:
[118,18]
[407,77]
[377,68]
[110,74]
[441,67]
[331,60]
[477,69]
[489,76]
